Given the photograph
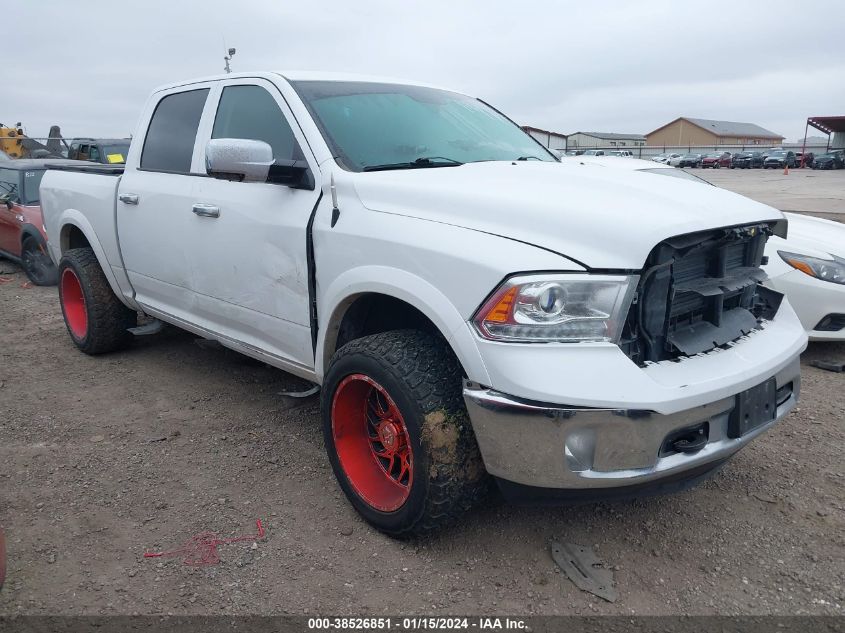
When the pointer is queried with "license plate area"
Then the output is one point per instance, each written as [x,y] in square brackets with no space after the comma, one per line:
[754,408]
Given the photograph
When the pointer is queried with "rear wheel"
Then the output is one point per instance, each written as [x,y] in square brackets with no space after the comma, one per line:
[397,433]
[96,319]
[37,264]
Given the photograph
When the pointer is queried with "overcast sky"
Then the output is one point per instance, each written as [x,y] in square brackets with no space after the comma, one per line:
[606,65]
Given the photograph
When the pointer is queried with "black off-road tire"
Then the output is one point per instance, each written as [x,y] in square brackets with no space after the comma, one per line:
[422,376]
[36,263]
[108,320]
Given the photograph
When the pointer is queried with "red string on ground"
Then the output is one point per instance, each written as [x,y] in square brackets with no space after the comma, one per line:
[202,548]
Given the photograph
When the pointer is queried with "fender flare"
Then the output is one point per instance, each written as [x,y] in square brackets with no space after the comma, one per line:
[30,230]
[396,283]
[76,219]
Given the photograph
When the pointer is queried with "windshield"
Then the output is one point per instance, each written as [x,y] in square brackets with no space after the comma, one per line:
[115,153]
[776,153]
[371,125]
[675,173]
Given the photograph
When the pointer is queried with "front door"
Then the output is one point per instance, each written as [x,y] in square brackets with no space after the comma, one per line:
[10,224]
[249,265]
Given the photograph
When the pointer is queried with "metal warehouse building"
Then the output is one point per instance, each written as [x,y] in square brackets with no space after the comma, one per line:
[605,139]
[552,140]
[689,131]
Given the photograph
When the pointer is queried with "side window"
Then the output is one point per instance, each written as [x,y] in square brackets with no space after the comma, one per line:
[250,112]
[94,153]
[9,184]
[172,132]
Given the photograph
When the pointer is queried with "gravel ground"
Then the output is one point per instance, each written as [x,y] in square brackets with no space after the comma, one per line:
[104,458]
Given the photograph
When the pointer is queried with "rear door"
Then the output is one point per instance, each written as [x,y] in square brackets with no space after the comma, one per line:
[250,272]
[155,224]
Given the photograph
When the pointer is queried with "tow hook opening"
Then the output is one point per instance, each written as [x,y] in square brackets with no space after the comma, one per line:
[688,440]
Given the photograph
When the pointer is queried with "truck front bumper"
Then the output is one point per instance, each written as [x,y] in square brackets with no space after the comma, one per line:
[593,449]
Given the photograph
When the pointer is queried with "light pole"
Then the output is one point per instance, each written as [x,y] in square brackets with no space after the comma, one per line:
[228,58]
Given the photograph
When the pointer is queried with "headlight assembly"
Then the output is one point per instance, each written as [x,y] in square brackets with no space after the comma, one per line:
[557,308]
[825,269]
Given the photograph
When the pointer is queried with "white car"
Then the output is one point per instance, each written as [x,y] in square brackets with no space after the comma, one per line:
[468,306]
[808,266]
[665,158]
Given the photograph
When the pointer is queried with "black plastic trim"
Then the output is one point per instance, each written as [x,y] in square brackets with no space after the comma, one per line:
[312,276]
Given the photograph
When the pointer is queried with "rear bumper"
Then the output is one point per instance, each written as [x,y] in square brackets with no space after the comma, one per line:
[575,448]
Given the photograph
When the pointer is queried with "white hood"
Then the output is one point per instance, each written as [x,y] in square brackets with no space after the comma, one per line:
[813,236]
[599,217]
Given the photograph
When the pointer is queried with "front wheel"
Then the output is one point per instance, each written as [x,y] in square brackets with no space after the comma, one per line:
[37,265]
[397,432]
[96,319]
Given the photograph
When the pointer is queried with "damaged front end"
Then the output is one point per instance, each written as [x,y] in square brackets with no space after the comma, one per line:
[701,291]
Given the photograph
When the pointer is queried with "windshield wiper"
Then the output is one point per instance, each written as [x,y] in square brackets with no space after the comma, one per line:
[529,158]
[419,163]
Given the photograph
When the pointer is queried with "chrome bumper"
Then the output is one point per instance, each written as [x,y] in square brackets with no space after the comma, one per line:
[551,446]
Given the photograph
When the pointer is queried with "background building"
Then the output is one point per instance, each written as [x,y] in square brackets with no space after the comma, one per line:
[552,140]
[688,131]
[605,139]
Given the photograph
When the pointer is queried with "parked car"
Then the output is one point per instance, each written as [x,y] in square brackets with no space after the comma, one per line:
[779,159]
[690,160]
[746,160]
[594,152]
[465,313]
[716,160]
[624,153]
[808,266]
[804,159]
[666,157]
[830,160]
[108,152]
[574,152]
[22,236]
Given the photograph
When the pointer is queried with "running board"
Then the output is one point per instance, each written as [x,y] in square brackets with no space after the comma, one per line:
[153,327]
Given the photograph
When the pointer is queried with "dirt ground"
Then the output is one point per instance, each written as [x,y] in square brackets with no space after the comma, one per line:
[104,458]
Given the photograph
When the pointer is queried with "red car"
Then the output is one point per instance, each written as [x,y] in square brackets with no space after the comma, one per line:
[716,160]
[22,235]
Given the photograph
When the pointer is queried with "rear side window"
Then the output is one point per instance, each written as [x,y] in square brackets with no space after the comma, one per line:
[172,133]
[250,112]
[31,182]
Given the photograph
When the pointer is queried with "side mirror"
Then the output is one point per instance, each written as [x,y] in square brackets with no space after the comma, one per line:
[6,199]
[238,159]
[252,161]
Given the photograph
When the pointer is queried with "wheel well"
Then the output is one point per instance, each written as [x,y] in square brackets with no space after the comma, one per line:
[373,313]
[73,237]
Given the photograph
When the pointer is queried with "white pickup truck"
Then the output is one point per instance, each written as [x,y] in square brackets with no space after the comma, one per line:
[472,309]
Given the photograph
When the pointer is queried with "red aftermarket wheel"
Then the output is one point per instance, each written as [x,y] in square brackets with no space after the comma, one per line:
[96,319]
[397,432]
[372,442]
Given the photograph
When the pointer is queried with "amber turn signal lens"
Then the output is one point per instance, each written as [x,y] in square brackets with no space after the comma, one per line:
[500,312]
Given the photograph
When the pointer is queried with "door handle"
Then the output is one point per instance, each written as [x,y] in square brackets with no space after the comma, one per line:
[128,198]
[206,210]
